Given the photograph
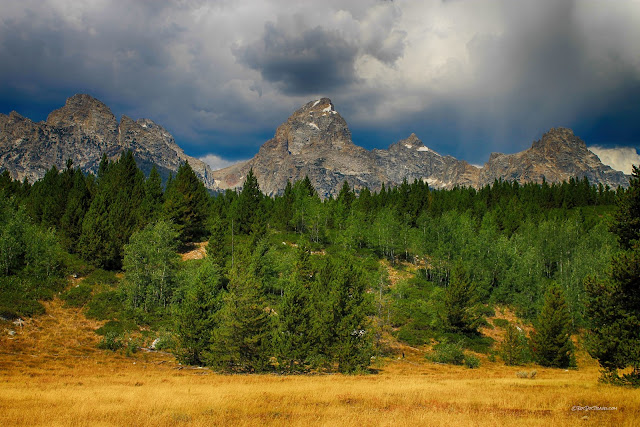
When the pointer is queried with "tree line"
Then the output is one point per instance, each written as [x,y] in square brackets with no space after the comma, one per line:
[294,283]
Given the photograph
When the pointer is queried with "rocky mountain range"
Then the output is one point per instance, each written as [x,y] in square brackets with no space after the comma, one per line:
[82,130]
[315,142]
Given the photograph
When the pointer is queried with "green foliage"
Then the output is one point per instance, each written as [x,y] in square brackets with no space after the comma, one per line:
[461,305]
[77,296]
[186,204]
[196,304]
[150,265]
[613,308]
[626,223]
[450,353]
[111,341]
[551,341]
[471,361]
[114,213]
[514,349]
[106,305]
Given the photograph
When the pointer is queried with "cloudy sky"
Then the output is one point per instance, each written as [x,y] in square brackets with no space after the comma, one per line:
[467,76]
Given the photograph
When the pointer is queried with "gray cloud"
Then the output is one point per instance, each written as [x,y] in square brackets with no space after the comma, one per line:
[312,61]
[468,76]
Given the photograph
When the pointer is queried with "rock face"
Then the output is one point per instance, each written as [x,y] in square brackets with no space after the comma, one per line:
[82,131]
[315,142]
[558,156]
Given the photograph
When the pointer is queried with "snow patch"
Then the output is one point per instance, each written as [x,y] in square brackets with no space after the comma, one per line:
[423,149]
[315,103]
[408,145]
[313,125]
[328,109]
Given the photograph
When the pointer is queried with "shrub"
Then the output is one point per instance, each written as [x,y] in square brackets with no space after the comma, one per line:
[447,352]
[77,296]
[471,361]
[105,306]
[500,323]
[514,350]
[111,341]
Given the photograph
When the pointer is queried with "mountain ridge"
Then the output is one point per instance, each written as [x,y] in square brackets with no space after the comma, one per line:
[314,141]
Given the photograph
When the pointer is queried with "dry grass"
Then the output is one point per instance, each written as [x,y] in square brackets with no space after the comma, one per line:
[52,374]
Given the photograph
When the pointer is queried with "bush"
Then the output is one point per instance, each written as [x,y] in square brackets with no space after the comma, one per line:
[514,350]
[116,327]
[500,323]
[111,341]
[447,352]
[105,306]
[77,296]
[102,277]
[471,361]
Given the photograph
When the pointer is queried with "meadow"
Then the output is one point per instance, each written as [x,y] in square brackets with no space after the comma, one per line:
[51,373]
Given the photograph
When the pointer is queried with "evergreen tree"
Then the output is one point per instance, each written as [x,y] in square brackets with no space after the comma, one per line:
[151,206]
[114,214]
[248,213]
[78,202]
[239,342]
[461,304]
[195,311]
[186,204]
[341,328]
[627,217]
[514,349]
[293,337]
[613,303]
[551,341]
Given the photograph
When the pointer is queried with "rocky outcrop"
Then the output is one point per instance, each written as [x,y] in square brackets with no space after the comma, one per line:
[411,159]
[82,130]
[558,156]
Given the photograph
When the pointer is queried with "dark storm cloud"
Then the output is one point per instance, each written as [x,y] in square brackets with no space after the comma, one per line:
[468,76]
[312,61]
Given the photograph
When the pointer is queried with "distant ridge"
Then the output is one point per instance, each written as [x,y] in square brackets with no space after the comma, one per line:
[315,141]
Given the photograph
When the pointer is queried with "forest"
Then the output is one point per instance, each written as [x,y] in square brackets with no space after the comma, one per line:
[296,283]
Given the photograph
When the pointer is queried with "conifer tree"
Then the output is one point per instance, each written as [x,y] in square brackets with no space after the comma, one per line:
[461,303]
[293,331]
[195,312]
[151,206]
[248,214]
[613,303]
[114,214]
[239,342]
[551,341]
[627,216]
[186,204]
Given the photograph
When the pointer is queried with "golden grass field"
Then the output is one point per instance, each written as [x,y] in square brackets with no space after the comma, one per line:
[51,373]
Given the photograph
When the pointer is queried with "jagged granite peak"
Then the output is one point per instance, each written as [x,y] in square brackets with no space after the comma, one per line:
[410,159]
[315,125]
[557,156]
[315,141]
[82,130]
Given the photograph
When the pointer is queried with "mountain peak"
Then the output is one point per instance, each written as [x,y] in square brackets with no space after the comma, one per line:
[559,139]
[317,124]
[84,111]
